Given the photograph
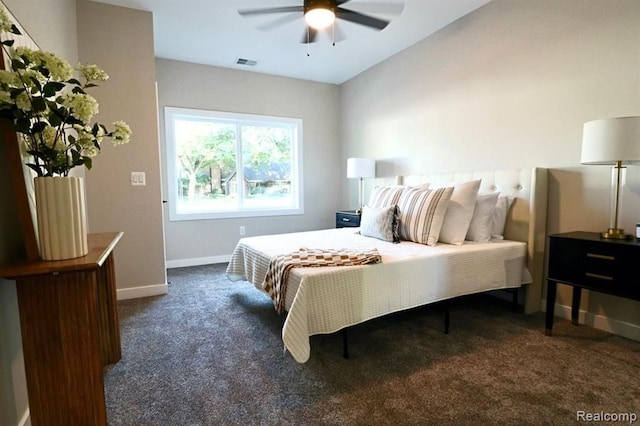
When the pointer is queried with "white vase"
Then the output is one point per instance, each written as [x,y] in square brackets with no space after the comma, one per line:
[62,222]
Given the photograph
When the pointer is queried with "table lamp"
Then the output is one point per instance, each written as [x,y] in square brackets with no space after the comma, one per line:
[361,168]
[612,141]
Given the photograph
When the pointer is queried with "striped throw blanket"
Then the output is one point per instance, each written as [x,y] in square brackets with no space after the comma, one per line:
[275,282]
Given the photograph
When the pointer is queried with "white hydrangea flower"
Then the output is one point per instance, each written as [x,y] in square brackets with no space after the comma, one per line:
[59,68]
[5,22]
[9,78]
[92,73]
[121,134]
[23,102]
[82,106]
[89,151]
[22,52]
[27,76]
[31,70]
[5,97]
[52,139]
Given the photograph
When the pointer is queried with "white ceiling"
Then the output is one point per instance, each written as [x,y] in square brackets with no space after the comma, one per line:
[212,32]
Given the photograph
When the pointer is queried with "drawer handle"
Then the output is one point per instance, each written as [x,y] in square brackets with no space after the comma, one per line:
[600,277]
[345,219]
[600,256]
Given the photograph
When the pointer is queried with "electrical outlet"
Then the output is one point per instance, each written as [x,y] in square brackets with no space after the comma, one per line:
[242,230]
[138,179]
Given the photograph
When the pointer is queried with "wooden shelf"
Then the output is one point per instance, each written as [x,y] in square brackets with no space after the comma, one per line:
[70,331]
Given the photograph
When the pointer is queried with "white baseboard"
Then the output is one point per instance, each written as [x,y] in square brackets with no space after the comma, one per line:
[197,261]
[146,291]
[26,419]
[600,322]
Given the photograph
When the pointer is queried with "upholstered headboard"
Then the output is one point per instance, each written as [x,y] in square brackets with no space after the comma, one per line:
[527,219]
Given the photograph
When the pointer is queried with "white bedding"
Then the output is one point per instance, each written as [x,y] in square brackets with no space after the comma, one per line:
[325,300]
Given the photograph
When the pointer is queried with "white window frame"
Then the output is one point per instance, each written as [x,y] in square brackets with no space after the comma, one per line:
[171,113]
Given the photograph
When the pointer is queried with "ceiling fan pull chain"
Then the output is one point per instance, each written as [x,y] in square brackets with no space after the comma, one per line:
[333,32]
[308,54]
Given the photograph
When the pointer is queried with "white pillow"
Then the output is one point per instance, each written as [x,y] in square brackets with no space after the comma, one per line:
[482,219]
[500,216]
[421,214]
[378,222]
[459,212]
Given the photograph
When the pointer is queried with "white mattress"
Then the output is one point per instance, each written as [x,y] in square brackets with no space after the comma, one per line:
[325,300]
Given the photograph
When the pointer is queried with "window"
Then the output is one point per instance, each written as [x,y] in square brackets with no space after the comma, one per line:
[232,165]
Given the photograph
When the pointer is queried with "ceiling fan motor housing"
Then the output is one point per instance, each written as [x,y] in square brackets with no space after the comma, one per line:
[319,4]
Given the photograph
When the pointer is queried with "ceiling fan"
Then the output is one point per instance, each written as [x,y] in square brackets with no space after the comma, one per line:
[320,14]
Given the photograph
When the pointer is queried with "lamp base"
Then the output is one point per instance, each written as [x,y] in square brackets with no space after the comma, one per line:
[615,234]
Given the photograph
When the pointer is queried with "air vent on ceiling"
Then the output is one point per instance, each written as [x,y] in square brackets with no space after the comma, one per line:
[246,62]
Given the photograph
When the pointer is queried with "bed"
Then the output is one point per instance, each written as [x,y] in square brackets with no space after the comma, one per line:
[329,299]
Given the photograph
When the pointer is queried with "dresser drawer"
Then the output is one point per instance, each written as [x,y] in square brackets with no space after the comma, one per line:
[346,219]
[597,265]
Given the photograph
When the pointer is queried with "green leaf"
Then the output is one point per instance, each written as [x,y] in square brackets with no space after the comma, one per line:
[74,81]
[88,85]
[79,90]
[37,169]
[38,127]
[8,42]
[23,125]
[17,64]
[54,119]
[37,84]
[88,162]
[38,104]
[52,87]
[15,30]
[72,120]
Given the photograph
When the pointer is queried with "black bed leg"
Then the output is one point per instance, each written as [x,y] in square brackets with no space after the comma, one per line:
[345,345]
[446,318]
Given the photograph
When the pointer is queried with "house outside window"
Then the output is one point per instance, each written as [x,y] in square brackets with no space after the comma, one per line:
[222,165]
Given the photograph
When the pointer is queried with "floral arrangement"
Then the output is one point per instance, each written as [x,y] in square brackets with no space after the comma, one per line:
[50,108]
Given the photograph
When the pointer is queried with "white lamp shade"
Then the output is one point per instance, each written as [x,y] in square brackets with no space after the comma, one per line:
[610,140]
[361,168]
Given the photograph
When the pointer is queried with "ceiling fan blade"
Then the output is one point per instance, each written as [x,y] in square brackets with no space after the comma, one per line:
[373,7]
[268,10]
[312,35]
[360,18]
[289,17]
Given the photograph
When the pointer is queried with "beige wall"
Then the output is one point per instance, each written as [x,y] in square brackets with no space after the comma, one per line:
[510,86]
[52,25]
[120,41]
[182,84]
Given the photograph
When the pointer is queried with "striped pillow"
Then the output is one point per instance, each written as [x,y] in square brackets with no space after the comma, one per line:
[422,213]
[385,196]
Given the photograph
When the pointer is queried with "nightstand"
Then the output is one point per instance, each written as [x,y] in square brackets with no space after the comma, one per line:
[584,260]
[347,219]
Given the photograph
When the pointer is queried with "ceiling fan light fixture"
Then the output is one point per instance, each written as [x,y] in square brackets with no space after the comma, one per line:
[319,14]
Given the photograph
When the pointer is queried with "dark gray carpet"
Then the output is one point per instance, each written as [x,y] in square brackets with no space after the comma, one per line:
[210,353]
